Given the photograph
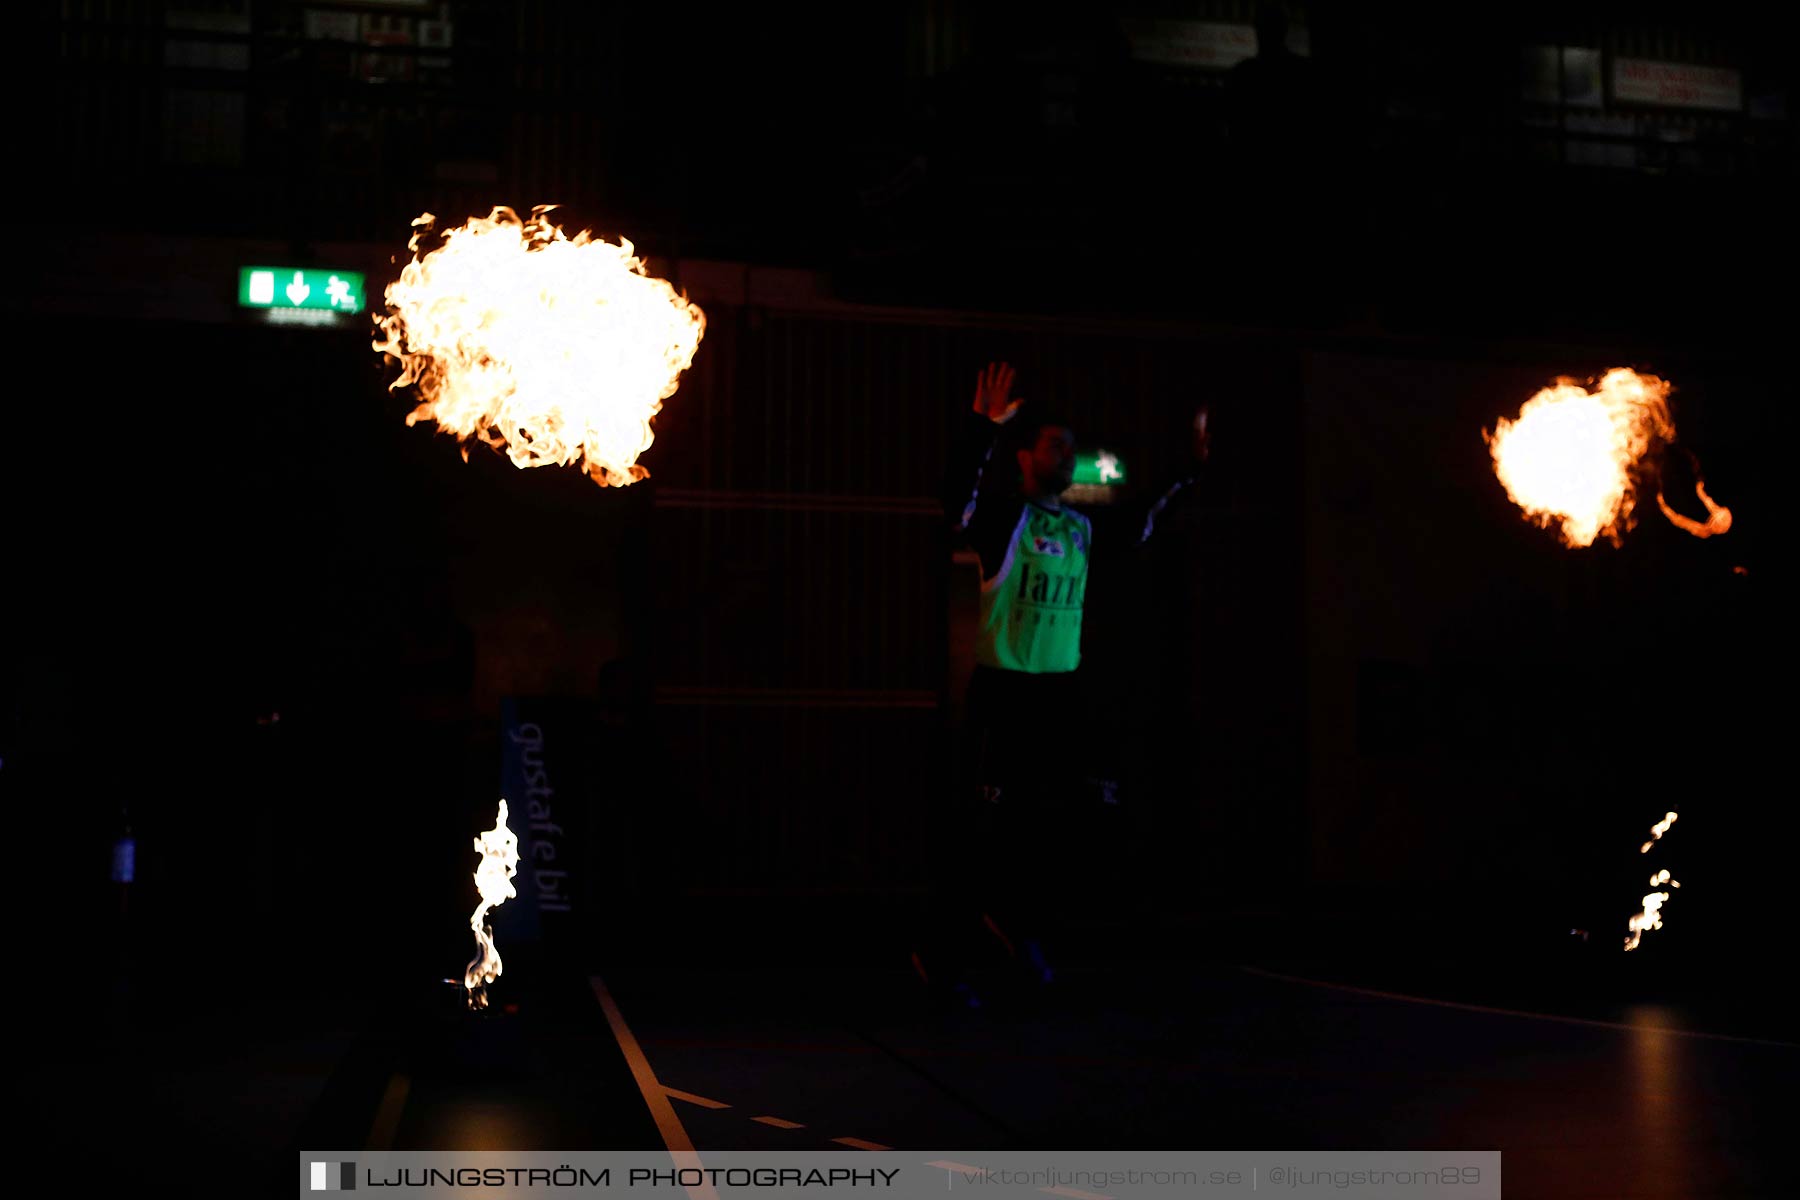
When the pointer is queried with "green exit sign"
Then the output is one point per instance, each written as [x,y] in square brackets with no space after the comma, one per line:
[1099,467]
[295,287]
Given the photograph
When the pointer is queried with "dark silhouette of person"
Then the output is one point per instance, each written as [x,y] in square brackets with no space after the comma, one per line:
[1028,757]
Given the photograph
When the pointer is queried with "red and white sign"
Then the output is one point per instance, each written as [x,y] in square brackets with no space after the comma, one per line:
[1207,44]
[1679,85]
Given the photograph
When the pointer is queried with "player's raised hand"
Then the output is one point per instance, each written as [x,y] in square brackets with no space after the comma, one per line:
[992,387]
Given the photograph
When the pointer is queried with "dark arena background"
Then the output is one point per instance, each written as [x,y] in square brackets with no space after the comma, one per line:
[1378,752]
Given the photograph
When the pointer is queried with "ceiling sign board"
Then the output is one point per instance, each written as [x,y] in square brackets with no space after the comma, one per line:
[1677,85]
[1208,45]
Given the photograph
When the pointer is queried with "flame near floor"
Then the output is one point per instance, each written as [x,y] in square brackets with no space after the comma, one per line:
[1586,1079]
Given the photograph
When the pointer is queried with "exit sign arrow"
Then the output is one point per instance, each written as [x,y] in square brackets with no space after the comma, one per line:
[300,287]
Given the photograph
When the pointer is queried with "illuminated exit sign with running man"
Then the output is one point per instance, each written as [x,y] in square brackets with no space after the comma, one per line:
[297,290]
[1101,467]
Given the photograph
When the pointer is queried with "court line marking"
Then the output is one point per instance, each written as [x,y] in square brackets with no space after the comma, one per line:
[955,1096]
[674,1134]
[1514,1012]
[702,1101]
[853,1142]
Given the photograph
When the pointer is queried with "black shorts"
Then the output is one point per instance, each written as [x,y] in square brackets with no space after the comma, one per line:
[1027,736]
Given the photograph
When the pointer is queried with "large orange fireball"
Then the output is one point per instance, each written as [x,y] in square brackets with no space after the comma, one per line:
[553,349]
[1570,457]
